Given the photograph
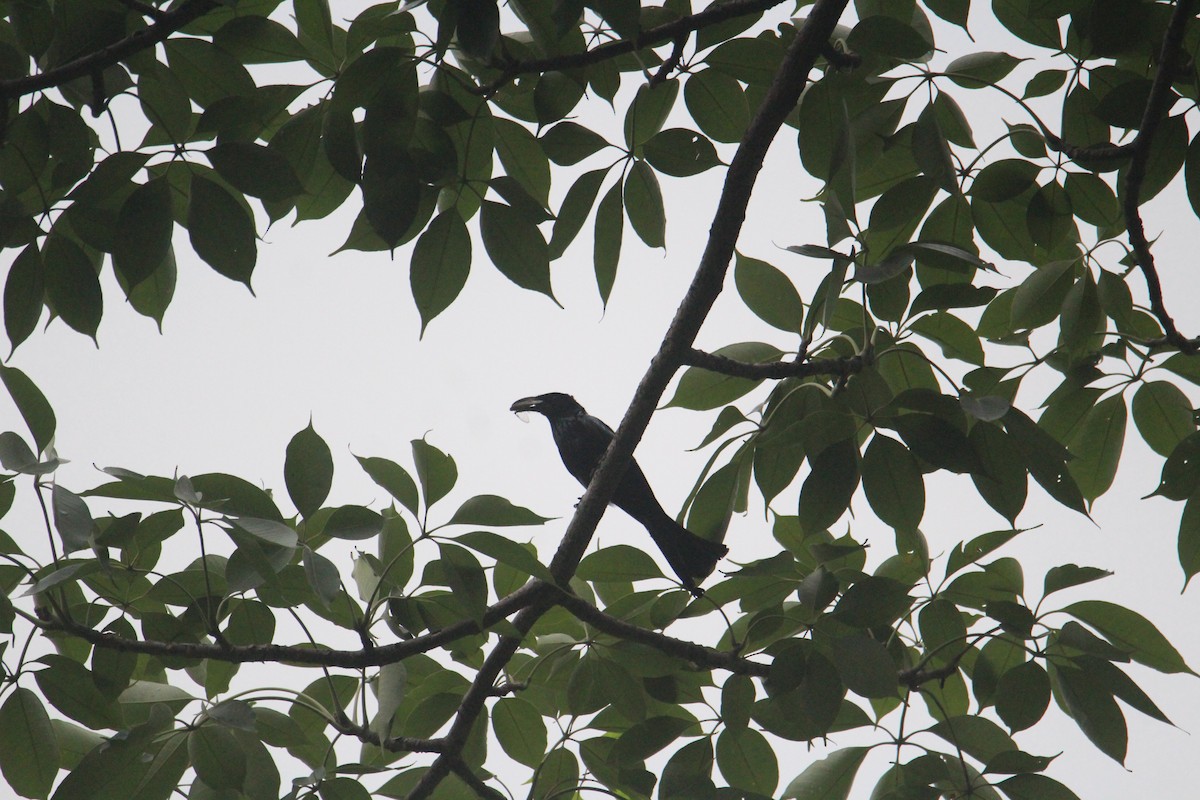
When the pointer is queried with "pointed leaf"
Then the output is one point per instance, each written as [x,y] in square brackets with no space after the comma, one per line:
[440,264]
[221,230]
[308,470]
[516,247]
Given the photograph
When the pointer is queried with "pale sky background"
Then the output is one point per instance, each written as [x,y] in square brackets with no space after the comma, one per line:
[233,377]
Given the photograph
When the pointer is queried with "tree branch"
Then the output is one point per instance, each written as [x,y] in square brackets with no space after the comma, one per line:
[168,22]
[297,654]
[775,370]
[701,656]
[393,744]
[1156,105]
[779,101]
[468,776]
[649,38]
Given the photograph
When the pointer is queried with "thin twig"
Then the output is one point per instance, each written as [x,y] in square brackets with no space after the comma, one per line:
[775,370]
[701,656]
[667,67]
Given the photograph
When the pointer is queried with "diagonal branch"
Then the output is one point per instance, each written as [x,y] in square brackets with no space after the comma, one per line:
[652,37]
[775,370]
[1156,105]
[701,656]
[167,23]
[778,102]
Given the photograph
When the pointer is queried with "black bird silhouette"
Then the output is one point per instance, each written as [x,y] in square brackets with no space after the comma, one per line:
[582,440]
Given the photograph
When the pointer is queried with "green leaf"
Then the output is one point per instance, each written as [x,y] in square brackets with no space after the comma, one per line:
[221,230]
[506,551]
[165,101]
[957,339]
[479,29]
[69,687]
[644,205]
[1004,180]
[308,470]
[943,630]
[702,390]
[568,143]
[619,563]
[750,60]
[391,190]
[24,294]
[1023,695]
[520,730]
[680,152]
[889,37]
[1163,415]
[737,698]
[207,72]
[270,531]
[747,761]
[1099,447]
[323,576]
[257,40]
[1031,786]
[649,111]
[440,264]
[29,754]
[1181,472]
[143,234]
[606,244]
[516,247]
[1068,575]
[893,484]
[489,509]
[865,666]
[1188,544]
[72,519]
[829,487]
[1131,631]
[34,408]
[573,212]
[829,778]
[976,736]
[873,601]
[1045,458]
[523,158]
[980,68]
[394,478]
[72,285]
[354,523]
[1094,710]
[436,471]
[937,442]
[557,774]
[255,170]
[217,757]
[769,293]
[717,104]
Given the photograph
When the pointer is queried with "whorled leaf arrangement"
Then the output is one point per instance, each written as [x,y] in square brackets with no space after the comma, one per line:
[438,119]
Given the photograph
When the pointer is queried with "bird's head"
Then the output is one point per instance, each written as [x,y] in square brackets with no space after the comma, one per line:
[554,404]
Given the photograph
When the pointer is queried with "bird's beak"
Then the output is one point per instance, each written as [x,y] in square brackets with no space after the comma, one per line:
[526,404]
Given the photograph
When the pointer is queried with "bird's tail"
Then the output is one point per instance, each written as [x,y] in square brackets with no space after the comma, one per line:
[693,558]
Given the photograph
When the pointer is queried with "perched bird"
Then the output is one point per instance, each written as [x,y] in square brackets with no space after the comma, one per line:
[582,440]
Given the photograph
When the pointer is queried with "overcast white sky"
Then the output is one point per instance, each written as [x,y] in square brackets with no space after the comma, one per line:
[232,377]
